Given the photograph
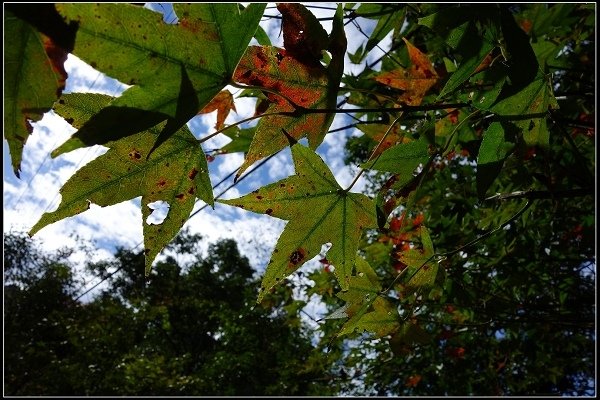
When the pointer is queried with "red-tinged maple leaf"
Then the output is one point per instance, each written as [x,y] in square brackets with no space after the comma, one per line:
[418,220]
[399,266]
[222,103]
[456,352]
[413,380]
[303,36]
[297,74]
[396,223]
[485,64]
[415,81]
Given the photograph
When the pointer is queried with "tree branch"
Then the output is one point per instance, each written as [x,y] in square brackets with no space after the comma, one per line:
[541,194]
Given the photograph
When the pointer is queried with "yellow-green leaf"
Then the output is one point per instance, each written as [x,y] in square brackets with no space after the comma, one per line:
[318,211]
[176,173]
[421,270]
[365,308]
[175,70]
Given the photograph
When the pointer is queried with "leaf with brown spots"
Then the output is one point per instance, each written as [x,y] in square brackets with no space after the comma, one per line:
[303,36]
[34,77]
[415,81]
[308,85]
[222,104]
[318,211]
[175,69]
[176,173]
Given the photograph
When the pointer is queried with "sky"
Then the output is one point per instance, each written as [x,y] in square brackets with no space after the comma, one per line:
[37,192]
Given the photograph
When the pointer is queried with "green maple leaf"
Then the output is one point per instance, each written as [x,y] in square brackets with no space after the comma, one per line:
[34,77]
[530,105]
[296,73]
[318,211]
[176,173]
[365,308]
[175,70]
[422,271]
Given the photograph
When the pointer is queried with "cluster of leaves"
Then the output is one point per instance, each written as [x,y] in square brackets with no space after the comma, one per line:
[192,330]
[465,103]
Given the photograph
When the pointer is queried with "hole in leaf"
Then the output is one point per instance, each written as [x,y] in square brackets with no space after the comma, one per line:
[159,213]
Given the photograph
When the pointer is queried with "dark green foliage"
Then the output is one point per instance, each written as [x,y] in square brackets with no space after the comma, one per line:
[190,330]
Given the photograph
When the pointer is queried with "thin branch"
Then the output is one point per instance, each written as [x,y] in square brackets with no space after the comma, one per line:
[404,108]
[541,194]
[235,183]
[442,256]
[205,138]
[362,170]
[488,233]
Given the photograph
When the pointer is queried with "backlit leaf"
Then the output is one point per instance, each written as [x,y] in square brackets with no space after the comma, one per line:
[303,80]
[318,211]
[473,51]
[222,103]
[175,70]
[240,139]
[415,81]
[385,24]
[376,132]
[422,271]
[176,173]
[34,77]
[402,159]
[365,308]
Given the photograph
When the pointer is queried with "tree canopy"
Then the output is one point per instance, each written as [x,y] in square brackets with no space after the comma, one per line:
[188,330]
[468,265]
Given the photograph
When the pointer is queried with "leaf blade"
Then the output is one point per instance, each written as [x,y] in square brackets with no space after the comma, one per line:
[316,208]
[177,173]
[175,70]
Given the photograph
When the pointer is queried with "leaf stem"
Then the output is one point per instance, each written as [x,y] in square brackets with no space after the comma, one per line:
[362,170]
[351,89]
[449,141]
[264,89]
[215,133]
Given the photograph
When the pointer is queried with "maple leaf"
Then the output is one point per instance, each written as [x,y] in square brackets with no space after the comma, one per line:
[416,81]
[402,159]
[364,307]
[530,106]
[240,139]
[376,132]
[318,211]
[222,103]
[176,173]
[300,77]
[175,70]
[34,75]
[422,271]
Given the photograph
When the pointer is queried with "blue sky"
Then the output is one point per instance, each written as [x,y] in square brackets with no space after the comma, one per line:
[26,199]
